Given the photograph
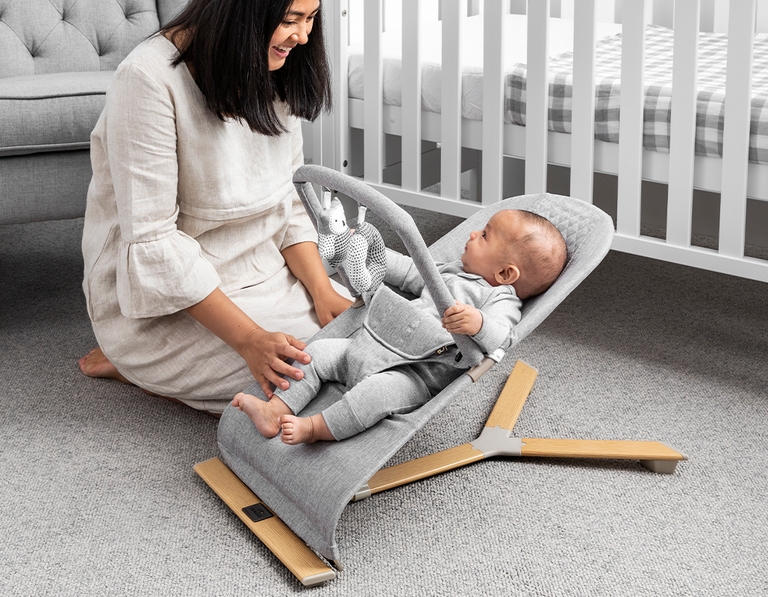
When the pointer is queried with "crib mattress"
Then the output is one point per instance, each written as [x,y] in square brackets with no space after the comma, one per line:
[657,78]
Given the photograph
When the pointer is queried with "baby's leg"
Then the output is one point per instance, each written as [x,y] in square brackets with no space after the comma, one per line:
[263,414]
[328,364]
[304,430]
[394,391]
[328,359]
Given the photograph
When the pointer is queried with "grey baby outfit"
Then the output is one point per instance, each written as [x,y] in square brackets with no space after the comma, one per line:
[401,356]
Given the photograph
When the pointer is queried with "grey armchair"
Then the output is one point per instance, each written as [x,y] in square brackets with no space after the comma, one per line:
[57,58]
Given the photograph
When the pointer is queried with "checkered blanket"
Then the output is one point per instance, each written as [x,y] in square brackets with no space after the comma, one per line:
[658,90]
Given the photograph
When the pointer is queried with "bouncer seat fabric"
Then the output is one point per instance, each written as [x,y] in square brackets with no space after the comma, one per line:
[309,485]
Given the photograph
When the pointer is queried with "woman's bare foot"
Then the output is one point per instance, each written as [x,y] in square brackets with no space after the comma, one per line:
[95,364]
[263,414]
[304,430]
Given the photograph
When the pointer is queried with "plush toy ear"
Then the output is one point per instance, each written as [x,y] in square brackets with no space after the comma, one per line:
[337,221]
[326,202]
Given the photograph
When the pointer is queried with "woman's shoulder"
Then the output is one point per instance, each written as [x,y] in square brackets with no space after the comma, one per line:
[153,57]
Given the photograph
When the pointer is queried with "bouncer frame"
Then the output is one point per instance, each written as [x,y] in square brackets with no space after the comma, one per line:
[495,440]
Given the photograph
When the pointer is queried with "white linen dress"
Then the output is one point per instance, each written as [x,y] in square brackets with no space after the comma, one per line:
[181,203]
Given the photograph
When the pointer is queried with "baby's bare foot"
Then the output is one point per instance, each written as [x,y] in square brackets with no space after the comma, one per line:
[264,415]
[95,364]
[296,430]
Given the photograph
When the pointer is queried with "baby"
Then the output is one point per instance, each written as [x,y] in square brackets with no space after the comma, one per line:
[517,255]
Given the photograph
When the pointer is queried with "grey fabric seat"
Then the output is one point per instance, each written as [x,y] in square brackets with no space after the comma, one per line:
[57,58]
[308,486]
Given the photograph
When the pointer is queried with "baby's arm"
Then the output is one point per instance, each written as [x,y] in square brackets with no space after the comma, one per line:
[497,316]
[462,319]
[402,273]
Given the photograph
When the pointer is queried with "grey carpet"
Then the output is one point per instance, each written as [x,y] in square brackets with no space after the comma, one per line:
[98,496]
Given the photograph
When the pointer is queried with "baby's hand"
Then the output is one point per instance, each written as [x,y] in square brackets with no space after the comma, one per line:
[462,319]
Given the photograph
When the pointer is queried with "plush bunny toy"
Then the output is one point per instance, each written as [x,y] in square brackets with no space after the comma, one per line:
[333,233]
[359,253]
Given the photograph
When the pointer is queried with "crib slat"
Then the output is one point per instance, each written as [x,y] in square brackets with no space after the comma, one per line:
[631,118]
[583,107]
[450,120]
[493,101]
[411,96]
[373,143]
[537,97]
[738,86]
[683,122]
[334,142]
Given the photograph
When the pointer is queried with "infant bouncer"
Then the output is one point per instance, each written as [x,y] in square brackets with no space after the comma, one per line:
[292,497]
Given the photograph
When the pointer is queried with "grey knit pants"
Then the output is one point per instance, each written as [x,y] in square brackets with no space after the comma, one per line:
[400,389]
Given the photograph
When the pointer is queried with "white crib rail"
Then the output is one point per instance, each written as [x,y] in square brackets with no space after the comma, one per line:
[537,98]
[450,113]
[733,177]
[411,98]
[583,127]
[683,123]
[493,100]
[738,84]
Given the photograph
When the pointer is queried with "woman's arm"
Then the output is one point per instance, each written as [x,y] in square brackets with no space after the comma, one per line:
[265,352]
[304,262]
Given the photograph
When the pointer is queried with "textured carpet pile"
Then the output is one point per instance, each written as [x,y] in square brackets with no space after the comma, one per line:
[98,496]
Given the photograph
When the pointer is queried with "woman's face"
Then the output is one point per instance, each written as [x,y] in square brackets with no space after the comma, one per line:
[295,29]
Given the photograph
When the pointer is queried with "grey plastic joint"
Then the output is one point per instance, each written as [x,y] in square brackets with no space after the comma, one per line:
[496,355]
[362,493]
[478,370]
[497,441]
[318,579]
[483,366]
[666,467]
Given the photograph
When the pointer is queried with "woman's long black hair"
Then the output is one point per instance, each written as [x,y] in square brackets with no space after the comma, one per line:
[227,42]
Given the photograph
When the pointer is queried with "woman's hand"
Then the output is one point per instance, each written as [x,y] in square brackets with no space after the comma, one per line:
[329,304]
[304,262]
[462,319]
[266,353]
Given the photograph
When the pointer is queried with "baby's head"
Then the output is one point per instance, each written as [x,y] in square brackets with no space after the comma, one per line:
[519,248]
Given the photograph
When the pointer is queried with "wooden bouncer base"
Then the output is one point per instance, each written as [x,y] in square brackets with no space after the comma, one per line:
[495,440]
[273,532]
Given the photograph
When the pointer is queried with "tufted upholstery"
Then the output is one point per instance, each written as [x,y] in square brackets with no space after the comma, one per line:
[57,58]
[71,35]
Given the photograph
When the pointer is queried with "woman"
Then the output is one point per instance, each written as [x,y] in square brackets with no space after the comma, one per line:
[196,246]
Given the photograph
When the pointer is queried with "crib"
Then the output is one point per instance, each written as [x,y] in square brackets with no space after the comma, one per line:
[525,99]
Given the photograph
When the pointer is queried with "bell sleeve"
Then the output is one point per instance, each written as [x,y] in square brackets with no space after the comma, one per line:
[160,270]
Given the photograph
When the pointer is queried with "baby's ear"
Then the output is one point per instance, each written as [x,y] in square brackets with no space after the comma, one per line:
[508,275]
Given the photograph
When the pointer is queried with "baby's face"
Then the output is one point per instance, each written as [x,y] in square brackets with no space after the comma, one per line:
[485,252]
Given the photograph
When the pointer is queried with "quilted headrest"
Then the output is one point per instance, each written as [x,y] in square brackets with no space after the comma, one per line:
[52,36]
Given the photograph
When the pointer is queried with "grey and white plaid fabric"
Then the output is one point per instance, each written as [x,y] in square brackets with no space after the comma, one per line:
[658,89]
